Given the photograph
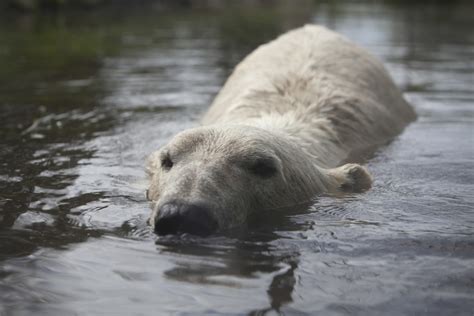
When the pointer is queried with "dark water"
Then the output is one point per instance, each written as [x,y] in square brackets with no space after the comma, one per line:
[85,96]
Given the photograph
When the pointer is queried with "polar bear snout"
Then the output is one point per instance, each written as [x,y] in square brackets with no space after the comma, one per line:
[179,217]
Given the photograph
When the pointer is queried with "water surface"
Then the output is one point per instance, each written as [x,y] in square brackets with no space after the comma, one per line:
[85,96]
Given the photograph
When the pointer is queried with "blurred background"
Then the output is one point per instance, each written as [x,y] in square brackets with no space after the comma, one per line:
[88,88]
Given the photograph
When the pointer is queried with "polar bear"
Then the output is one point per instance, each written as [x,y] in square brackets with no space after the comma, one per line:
[277,134]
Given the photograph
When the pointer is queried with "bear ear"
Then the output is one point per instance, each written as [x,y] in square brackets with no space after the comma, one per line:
[153,163]
[351,178]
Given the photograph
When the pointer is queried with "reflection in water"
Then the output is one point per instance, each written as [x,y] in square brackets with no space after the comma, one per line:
[82,104]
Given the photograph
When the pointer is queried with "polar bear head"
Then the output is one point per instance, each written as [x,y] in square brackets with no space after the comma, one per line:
[213,178]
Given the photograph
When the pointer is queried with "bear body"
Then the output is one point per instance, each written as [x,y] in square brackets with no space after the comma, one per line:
[277,133]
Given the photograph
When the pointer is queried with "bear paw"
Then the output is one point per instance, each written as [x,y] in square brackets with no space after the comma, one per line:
[352,178]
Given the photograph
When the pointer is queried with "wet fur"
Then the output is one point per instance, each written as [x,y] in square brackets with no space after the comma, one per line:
[304,102]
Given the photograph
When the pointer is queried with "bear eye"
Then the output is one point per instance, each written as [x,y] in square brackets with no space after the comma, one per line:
[263,167]
[166,162]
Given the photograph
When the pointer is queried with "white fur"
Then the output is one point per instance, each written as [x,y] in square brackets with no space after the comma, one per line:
[324,92]
[305,102]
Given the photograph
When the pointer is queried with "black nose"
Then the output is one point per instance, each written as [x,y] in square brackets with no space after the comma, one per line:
[175,218]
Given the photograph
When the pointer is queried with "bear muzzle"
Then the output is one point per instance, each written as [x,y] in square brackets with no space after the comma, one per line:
[179,218]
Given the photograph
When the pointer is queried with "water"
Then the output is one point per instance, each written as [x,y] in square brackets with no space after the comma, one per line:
[82,104]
